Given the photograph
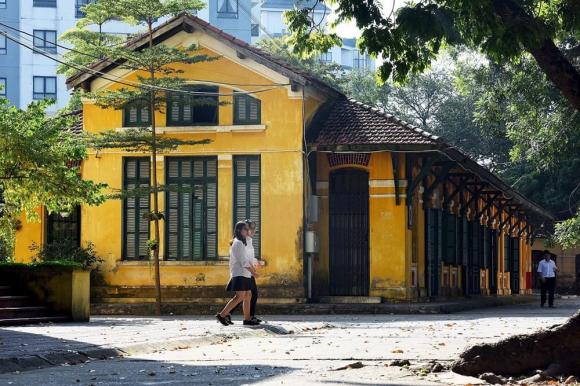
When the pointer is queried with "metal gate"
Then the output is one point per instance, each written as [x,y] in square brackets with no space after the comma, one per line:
[349,233]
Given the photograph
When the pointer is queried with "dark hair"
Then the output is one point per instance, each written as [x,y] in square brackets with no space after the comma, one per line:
[546,252]
[250,223]
[238,231]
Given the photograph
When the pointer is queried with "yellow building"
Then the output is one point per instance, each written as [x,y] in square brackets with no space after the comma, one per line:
[398,214]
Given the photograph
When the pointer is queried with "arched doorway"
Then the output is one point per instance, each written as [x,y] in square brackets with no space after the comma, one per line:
[349,232]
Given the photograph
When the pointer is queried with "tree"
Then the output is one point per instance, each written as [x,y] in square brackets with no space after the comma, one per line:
[411,38]
[155,75]
[88,39]
[39,166]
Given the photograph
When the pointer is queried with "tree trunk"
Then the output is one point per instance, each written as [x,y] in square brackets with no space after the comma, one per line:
[556,349]
[551,60]
[155,185]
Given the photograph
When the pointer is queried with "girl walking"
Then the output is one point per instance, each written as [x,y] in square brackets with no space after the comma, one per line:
[241,271]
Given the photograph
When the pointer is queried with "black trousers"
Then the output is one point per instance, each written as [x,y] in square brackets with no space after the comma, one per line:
[548,285]
[254,289]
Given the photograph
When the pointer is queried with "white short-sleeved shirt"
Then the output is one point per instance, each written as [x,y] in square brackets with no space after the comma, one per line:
[239,262]
[251,254]
[547,268]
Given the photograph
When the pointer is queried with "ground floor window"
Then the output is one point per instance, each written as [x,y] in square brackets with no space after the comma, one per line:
[191,208]
[247,193]
[136,171]
[64,227]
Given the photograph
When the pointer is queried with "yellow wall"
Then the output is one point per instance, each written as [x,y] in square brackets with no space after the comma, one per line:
[279,142]
[389,238]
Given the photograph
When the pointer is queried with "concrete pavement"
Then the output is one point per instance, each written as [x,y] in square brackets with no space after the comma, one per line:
[318,346]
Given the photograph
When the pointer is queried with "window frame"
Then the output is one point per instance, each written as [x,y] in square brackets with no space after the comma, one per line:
[44,3]
[140,106]
[46,45]
[234,14]
[249,100]
[138,180]
[3,4]
[3,45]
[171,97]
[249,179]
[254,30]
[4,90]
[44,93]
[192,181]
[79,14]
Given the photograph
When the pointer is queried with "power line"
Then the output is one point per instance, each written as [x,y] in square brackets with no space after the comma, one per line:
[115,62]
[85,69]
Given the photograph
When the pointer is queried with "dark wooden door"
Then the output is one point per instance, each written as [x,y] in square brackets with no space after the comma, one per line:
[349,233]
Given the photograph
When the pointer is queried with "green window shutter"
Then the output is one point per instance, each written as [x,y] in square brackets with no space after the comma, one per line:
[450,238]
[191,214]
[247,110]
[193,110]
[136,173]
[136,115]
[247,193]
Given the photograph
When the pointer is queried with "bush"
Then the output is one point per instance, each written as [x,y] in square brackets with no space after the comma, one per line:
[67,252]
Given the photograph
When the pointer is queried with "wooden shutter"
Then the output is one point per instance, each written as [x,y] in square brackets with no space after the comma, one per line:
[136,208]
[192,208]
[136,114]
[190,110]
[247,110]
[247,193]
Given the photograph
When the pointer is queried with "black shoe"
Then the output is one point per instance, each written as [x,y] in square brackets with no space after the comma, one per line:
[229,319]
[251,323]
[256,319]
[552,306]
[542,305]
[222,320]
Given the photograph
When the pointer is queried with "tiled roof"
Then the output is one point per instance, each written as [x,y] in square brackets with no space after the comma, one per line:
[348,122]
[77,127]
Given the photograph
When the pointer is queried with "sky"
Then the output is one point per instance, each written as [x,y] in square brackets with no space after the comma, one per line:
[349,30]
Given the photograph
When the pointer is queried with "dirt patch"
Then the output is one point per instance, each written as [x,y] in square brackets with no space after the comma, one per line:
[554,351]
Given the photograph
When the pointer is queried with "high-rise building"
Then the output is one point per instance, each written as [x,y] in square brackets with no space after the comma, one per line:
[268,22]
[27,76]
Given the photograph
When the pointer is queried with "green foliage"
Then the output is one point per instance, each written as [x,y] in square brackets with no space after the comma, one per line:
[37,166]
[88,39]
[411,38]
[139,140]
[568,232]
[67,252]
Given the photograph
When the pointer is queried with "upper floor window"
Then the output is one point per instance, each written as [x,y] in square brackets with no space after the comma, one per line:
[78,5]
[136,114]
[3,87]
[325,57]
[185,109]
[255,31]
[44,3]
[2,4]
[227,9]
[44,87]
[359,60]
[45,40]
[3,45]
[247,110]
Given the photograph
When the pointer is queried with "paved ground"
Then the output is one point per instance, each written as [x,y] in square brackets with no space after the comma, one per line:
[202,352]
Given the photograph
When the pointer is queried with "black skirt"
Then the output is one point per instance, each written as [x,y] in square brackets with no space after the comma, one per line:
[239,283]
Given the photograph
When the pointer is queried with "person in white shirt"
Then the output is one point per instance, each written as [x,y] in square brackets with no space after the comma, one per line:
[547,269]
[241,271]
[256,264]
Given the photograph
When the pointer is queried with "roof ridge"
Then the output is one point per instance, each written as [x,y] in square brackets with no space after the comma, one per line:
[382,112]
